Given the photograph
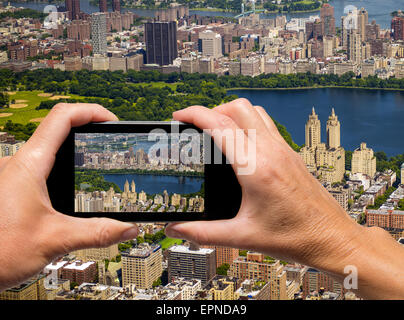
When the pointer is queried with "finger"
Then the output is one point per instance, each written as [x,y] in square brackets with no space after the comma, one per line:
[222,128]
[40,150]
[243,114]
[269,123]
[4,161]
[73,233]
[221,232]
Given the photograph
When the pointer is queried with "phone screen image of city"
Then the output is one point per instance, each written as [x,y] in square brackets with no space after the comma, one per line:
[139,172]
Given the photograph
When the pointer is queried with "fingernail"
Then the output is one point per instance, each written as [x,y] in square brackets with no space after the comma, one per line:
[129,234]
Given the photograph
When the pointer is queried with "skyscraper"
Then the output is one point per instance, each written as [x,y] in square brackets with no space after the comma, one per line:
[313,130]
[325,161]
[161,42]
[328,20]
[363,21]
[333,131]
[116,5]
[103,6]
[69,8]
[211,43]
[354,46]
[397,27]
[99,32]
[73,9]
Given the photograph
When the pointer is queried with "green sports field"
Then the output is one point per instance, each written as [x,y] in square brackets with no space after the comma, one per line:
[23,104]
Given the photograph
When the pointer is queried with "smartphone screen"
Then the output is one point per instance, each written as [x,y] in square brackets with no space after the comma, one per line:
[139,172]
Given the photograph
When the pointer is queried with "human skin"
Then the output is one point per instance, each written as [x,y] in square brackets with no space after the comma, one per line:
[32,233]
[286,213]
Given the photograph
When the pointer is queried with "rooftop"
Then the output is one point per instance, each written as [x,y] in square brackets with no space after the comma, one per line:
[184,249]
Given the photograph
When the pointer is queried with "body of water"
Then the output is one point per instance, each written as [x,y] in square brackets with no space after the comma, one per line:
[152,184]
[379,10]
[372,116]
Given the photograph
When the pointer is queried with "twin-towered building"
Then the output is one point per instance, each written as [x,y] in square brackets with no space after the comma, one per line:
[324,160]
[327,160]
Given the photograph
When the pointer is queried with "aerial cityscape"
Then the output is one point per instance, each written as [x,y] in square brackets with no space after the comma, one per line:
[144,68]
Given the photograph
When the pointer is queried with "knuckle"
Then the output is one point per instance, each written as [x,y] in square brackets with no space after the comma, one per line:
[102,234]
[242,103]
[261,109]
[60,107]
[225,121]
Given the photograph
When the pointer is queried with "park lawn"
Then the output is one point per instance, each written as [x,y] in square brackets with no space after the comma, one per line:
[159,84]
[169,242]
[24,115]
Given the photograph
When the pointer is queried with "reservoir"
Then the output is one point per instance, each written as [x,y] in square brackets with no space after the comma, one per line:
[372,116]
[152,184]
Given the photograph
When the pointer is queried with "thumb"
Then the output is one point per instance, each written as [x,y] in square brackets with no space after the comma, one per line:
[81,233]
[221,232]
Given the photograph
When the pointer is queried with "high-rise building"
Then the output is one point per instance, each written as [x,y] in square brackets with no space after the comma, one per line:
[103,6]
[224,255]
[315,280]
[69,8]
[333,131]
[256,267]
[73,9]
[354,46]
[191,263]
[116,5]
[211,43]
[328,19]
[397,28]
[161,42]
[348,23]
[99,32]
[78,30]
[32,289]
[364,161]
[142,266]
[326,161]
[363,21]
[313,130]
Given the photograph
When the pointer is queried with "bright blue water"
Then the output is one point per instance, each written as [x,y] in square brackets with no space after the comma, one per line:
[372,116]
[152,184]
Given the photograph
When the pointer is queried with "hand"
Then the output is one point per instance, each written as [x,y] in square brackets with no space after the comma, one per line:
[285,212]
[32,233]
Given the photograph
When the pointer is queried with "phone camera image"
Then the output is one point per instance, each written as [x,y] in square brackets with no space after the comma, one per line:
[143,171]
[139,172]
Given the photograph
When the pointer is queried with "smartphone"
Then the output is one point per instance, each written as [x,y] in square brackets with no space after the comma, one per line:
[143,172]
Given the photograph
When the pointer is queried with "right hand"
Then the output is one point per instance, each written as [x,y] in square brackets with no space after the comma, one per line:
[285,212]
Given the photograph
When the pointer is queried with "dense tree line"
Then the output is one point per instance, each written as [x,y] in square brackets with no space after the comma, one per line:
[393,163]
[20,131]
[23,13]
[95,181]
